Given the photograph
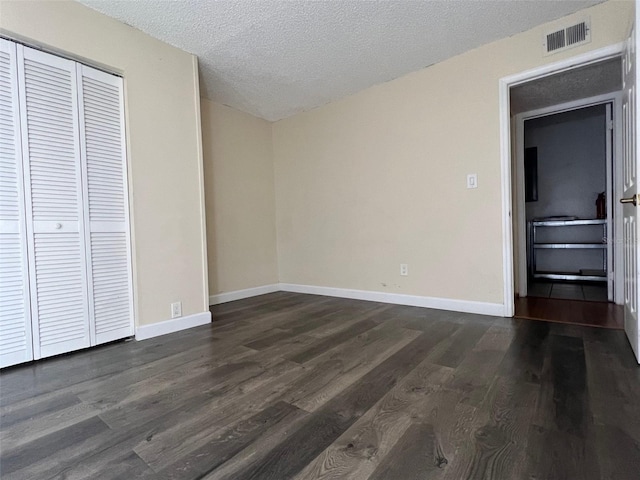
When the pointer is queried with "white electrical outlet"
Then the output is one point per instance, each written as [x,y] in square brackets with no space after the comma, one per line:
[176,309]
[404,269]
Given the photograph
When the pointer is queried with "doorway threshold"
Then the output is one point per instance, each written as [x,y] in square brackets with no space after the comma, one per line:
[574,312]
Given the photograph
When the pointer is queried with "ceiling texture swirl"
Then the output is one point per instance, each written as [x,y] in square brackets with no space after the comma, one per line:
[275,58]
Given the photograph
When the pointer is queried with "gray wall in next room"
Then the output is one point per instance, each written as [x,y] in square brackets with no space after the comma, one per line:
[571,173]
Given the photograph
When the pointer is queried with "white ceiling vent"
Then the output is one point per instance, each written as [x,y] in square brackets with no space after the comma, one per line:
[568,37]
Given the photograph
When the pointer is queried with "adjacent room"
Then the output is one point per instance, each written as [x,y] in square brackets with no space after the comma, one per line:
[299,239]
[567,172]
[566,165]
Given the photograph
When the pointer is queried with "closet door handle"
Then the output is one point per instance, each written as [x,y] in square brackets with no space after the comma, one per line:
[633,200]
[58,226]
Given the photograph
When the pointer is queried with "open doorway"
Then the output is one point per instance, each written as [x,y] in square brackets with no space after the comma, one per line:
[566,174]
[568,184]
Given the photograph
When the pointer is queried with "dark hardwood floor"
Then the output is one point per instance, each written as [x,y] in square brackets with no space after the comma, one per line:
[291,386]
[576,312]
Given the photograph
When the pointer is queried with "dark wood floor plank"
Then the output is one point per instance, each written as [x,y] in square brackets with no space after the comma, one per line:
[252,303]
[287,346]
[326,343]
[16,459]
[452,420]
[263,325]
[497,444]
[100,452]
[330,421]
[292,307]
[577,312]
[299,341]
[414,457]
[127,465]
[570,397]
[229,442]
[524,359]
[122,388]
[359,450]
[337,369]
[376,390]
[475,372]
[296,326]
[258,450]
[207,415]
[66,371]
[31,411]
[339,312]
[562,437]
[453,350]
[557,455]
[209,381]
[288,302]
[97,391]
[618,452]
[612,367]
[46,423]
[348,316]
[265,304]
[220,328]
[613,383]
[564,402]
[88,453]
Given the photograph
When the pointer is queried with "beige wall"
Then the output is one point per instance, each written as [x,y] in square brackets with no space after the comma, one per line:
[361,185]
[379,178]
[240,199]
[163,130]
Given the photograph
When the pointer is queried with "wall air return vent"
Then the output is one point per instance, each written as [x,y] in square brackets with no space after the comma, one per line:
[568,37]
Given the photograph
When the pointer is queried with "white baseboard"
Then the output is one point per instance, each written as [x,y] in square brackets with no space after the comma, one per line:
[240,294]
[482,308]
[174,325]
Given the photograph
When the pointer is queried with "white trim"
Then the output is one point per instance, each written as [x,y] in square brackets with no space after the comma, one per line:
[504,84]
[521,220]
[609,192]
[201,189]
[240,294]
[482,308]
[507,224]
[570,106]
[618,192]
[170,326]
[567,64]
[130,210]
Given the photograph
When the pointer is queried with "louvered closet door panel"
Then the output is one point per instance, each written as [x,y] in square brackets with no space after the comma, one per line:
[103,147]
[15,319]
[59,301]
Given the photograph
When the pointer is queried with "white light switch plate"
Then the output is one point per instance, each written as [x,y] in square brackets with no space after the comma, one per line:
[472,180]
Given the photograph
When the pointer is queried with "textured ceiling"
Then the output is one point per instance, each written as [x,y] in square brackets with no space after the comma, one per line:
[276,58]
[595,79]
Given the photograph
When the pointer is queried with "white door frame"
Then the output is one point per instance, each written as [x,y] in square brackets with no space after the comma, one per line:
[613,177]
[504,85]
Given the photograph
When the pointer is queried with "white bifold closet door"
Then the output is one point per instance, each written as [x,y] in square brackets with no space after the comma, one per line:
[65,265]
[106,211]
[53,181]
[15,318]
